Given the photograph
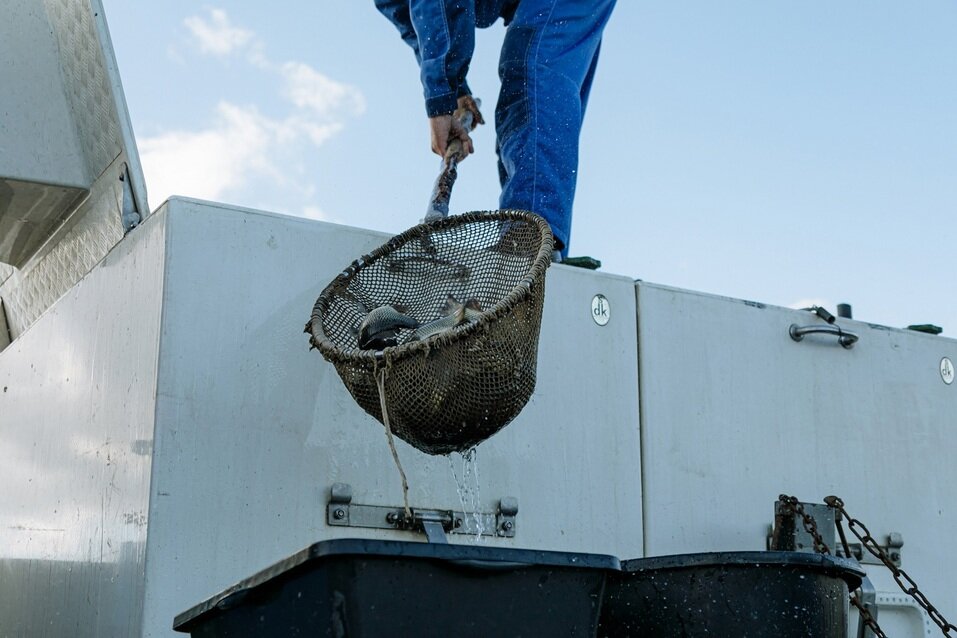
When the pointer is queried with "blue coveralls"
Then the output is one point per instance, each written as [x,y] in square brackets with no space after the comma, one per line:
[546,67]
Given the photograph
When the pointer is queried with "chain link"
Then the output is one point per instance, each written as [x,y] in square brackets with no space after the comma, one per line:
[866,617]
[903,580]
[810,526]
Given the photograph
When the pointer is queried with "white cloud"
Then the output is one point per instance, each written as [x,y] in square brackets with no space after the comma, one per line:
[206,163]
[245,154]
[217,35]
[308,89]
[295,126]
[216,161]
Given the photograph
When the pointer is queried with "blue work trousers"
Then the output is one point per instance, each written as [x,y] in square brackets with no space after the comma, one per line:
[546,67]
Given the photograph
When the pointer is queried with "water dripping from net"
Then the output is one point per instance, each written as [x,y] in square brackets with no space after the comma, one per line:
[467,486]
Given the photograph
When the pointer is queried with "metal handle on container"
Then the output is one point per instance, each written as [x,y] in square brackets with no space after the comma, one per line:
[844,337]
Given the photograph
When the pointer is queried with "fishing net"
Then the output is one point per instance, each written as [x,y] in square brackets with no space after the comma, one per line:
[451,390]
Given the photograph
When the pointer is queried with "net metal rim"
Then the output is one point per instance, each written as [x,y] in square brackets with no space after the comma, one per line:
[372,359]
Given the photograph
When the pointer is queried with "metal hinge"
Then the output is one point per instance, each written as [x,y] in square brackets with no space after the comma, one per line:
[5,337]
[129,216]
[434,523]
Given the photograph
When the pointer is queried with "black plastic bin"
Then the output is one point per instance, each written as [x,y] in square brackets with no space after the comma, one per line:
[733,594]
[391,588]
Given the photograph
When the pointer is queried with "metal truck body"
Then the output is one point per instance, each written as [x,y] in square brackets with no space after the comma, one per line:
[165,430]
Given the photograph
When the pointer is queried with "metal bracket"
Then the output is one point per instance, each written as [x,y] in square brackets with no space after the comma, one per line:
[788,534]
[435,524]
[869,601]
[895,541]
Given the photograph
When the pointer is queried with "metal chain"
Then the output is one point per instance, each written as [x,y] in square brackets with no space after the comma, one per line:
[855,598]
[905,582]
[866,617]
[810,526]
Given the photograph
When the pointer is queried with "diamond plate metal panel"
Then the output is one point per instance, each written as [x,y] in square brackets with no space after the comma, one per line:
[86,238]
[33,209]
[56,246]
[37,132]
[87,86]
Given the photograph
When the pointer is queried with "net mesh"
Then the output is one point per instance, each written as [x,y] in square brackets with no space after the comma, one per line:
[452,390]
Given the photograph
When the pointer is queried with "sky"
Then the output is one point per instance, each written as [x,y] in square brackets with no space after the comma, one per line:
[790,153]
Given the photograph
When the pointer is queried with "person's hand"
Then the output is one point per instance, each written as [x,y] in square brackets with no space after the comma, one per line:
[468,103]
[447,128]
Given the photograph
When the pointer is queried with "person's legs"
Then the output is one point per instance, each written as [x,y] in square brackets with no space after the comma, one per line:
[546,67]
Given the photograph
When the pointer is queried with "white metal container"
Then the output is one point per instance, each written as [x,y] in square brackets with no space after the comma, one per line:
[735,412]
[199,437]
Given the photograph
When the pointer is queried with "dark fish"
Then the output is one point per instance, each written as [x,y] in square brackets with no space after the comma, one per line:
[473,309]
[380,328]
[455,314]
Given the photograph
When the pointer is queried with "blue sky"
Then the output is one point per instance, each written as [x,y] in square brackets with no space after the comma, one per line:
[783,152]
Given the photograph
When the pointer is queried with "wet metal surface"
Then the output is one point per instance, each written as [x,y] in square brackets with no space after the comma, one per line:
[76,428]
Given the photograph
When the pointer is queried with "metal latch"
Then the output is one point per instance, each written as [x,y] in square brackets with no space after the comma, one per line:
[434,523]
[895,541]
[789,534]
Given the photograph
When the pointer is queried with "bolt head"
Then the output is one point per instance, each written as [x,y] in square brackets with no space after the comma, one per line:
[339,514]
[507,526]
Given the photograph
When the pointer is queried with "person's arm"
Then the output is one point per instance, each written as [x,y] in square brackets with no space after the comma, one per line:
[397,11]
[441,33]
[446,33]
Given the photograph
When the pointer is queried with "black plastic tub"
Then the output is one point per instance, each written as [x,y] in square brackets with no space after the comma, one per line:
[735,594]
[391,588]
